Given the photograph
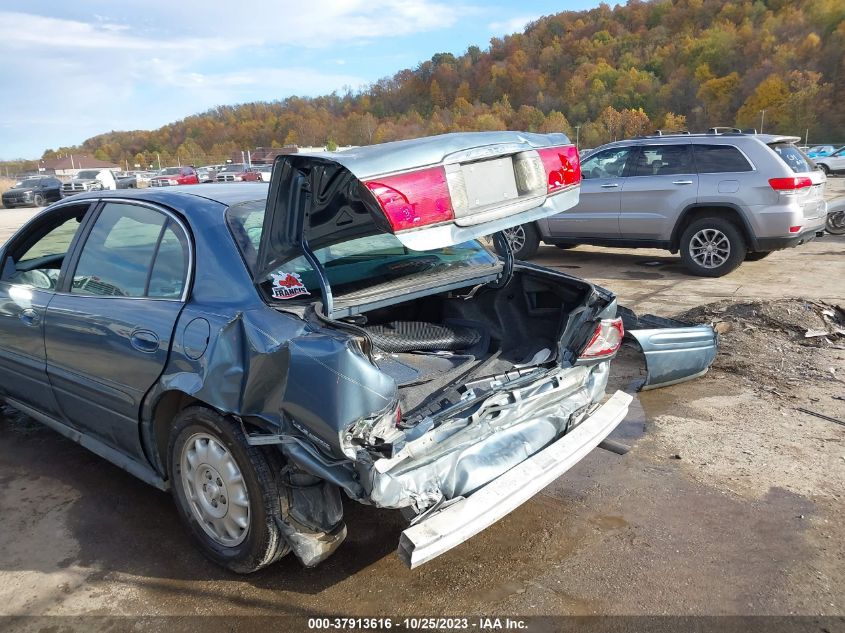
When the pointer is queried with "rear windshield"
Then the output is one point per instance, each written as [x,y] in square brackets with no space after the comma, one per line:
[358,264]
[797,160]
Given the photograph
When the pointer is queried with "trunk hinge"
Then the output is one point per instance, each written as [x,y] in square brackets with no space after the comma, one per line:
[504,247]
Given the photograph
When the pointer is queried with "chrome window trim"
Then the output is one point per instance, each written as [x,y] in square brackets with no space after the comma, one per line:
[167,213]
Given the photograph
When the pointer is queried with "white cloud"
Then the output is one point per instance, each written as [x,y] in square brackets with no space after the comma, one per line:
[512,25]
[140,66]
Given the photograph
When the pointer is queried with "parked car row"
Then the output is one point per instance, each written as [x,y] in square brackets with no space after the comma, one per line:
[718,199]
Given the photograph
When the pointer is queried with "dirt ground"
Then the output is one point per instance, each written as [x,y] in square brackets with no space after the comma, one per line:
[729,503]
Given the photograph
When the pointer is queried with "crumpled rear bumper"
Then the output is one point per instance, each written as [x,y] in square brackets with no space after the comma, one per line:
[466,517]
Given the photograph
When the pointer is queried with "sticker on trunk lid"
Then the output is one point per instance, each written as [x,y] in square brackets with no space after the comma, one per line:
[287,286]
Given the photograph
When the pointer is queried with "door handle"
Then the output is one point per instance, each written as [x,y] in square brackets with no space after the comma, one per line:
[610,185]
[144,341]
[682,182]
[30,317]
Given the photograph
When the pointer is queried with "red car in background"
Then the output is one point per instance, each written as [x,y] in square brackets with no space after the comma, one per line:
[175,176]
[238,172]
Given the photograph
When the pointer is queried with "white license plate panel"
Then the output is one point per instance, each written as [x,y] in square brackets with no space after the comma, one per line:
[489,182]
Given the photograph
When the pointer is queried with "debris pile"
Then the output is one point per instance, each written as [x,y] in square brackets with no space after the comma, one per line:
[777,343]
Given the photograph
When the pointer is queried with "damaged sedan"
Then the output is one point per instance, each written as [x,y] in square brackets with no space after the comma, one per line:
[263,353]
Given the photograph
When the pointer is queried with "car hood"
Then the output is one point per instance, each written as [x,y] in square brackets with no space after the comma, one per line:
[19,190]
[322,199]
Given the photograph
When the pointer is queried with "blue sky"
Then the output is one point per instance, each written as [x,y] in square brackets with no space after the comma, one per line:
[75,69]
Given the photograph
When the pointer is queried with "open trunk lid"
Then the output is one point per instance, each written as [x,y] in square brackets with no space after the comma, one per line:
[430,192]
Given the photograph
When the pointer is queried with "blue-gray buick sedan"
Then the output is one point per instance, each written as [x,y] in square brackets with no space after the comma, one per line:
[261,352]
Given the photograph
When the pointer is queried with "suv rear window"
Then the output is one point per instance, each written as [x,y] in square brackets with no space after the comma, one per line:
[798,162]
[715,159]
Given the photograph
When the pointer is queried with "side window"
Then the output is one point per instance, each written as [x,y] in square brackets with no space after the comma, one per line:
[38,258]
[609,163]
[119,257]
[664,160]
[170,268]
[716,159]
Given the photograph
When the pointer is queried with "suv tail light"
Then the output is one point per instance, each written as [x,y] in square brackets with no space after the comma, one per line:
[439,194]
[790,184]
[605,341]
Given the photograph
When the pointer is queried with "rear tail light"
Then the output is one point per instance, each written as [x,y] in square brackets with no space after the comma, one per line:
[418,198]
[562,166]
[794,229]
[605,340]
[790,184]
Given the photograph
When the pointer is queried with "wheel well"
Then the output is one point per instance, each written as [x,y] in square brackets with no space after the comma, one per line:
[169,405]
[167,408]
[691,215]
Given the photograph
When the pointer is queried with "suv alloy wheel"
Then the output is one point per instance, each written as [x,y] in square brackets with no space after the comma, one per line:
[712,247]
[524,240]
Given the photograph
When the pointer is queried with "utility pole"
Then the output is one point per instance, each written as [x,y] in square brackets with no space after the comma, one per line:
[762,119]
[806,136]
[577,132]
[158,158]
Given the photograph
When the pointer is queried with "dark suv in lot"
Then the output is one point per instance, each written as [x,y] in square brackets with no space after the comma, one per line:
[33,192]
[718,199]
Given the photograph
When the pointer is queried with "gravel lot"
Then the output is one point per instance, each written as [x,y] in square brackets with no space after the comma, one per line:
[730,502]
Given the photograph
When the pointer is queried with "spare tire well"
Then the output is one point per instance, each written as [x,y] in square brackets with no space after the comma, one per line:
[692,214]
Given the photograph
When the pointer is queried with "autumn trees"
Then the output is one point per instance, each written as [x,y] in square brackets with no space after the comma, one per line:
[612,72]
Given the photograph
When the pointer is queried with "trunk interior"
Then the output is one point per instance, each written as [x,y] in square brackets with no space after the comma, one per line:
[436,344]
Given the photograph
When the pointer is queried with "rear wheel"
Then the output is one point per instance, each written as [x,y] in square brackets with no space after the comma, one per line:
[756,256]
[524,240]
[226,491]
[825,169]
[38,200]
[712,247]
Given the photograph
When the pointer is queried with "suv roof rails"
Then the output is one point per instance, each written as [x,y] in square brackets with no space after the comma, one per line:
[724,130]
[670,133]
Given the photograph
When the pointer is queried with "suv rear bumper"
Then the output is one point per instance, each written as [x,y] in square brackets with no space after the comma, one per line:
[777,243]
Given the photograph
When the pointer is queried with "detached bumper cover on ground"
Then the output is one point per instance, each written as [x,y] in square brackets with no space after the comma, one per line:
[466,517]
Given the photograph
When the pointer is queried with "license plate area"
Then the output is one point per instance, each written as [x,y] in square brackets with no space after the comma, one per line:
[489,182]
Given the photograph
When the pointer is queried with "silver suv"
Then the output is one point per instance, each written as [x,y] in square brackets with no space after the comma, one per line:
[718,199]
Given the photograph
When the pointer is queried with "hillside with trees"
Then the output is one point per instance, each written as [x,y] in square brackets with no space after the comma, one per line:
[612,72]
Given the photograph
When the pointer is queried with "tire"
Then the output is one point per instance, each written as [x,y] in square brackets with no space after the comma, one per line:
[38,199]
[524,240]
[566,246]
[242,549]
[722,236]
[756,256]
[835,224]
[825,169]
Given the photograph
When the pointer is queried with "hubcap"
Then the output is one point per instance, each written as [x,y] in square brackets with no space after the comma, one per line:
[215,488]
[710,248]
[515,237]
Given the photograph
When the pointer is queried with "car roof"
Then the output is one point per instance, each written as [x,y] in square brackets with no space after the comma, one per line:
[227,194]
[728,139]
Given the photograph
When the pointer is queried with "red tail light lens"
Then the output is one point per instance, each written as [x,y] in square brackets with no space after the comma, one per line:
[562,165]
[605,341]
[415,199]
[790,184]
[794,229]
